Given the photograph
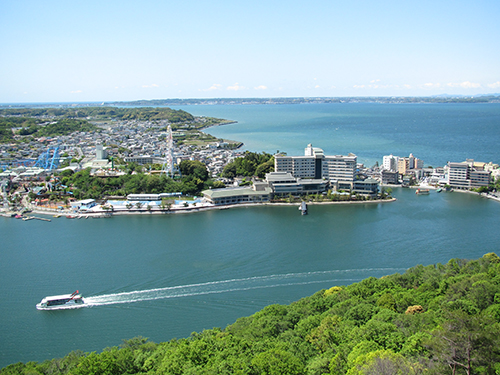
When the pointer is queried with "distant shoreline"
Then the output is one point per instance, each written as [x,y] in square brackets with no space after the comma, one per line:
[437,99]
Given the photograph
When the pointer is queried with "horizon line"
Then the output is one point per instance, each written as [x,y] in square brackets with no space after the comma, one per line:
[107,102]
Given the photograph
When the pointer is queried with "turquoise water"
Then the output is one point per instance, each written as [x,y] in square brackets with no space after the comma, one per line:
[166,276]
[436,133]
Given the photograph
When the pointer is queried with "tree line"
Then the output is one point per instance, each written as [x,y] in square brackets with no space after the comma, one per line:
[104,112]
[250,164]
[436,319]
[38,128]
[192,180]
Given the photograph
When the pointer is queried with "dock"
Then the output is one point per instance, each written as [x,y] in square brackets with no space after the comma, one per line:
[35,218]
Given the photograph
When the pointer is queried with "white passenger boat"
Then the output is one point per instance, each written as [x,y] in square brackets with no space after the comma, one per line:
[64,301]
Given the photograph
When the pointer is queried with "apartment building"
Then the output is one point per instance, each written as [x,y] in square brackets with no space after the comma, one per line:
[406,164]
[390,162]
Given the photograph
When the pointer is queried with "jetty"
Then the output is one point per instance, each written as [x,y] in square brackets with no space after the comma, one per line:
[35,218]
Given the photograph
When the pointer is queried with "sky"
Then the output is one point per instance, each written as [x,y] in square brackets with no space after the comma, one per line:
[77,51]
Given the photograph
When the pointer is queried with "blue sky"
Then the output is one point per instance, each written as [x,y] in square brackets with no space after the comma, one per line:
[72,50]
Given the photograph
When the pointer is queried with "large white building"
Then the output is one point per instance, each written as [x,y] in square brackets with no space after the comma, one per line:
[100,152]
[468,175]
[315,165]
[390,162]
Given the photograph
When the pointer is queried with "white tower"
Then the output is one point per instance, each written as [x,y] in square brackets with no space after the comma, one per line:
[168,166]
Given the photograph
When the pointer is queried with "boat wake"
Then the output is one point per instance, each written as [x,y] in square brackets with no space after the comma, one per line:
[234,285]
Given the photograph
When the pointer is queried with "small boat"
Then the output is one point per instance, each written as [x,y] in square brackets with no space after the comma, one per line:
[64,301]
[439,190]
[422,191]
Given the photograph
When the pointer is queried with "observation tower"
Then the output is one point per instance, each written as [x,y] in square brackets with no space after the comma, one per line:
[168,166]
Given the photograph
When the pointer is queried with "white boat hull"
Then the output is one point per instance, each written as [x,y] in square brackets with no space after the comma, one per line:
[65,301]
[68,305]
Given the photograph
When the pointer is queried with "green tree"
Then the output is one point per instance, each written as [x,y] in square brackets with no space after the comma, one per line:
[229,171]
[219,185]
[463,341]
[194,169]
[277,362]
[384,362]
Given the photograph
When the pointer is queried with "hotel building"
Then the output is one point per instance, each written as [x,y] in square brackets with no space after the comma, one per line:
[468,174]
[315,165]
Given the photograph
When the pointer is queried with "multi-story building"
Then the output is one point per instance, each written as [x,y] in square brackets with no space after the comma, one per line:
[390,163]
[283,183]
[368,187]
[339,167]
[467,175]
[315,165]
[389,177]
[299,166]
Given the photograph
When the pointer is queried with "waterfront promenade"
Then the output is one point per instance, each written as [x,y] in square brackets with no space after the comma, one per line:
[99,212]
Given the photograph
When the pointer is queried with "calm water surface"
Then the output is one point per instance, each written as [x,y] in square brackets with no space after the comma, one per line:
[436,133]
[166,276]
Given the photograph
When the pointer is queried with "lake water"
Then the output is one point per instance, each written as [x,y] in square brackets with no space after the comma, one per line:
[166,276]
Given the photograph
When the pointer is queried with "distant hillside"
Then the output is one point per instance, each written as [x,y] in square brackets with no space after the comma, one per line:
[101,112]
[493,98]
[118,106]
[437,319]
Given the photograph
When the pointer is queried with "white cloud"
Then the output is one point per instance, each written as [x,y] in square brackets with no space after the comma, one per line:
[495,85]
[215,86]
[372,86]
[236,87]
[150,86]
[430,86]
[261,87]
[465,85]
[76,92]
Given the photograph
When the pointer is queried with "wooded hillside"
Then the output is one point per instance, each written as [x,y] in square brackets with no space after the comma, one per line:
[437,319]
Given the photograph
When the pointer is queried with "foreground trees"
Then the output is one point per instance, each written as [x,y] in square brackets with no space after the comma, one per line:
[438,319]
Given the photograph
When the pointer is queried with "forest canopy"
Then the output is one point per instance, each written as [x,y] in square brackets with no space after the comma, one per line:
[104,112]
